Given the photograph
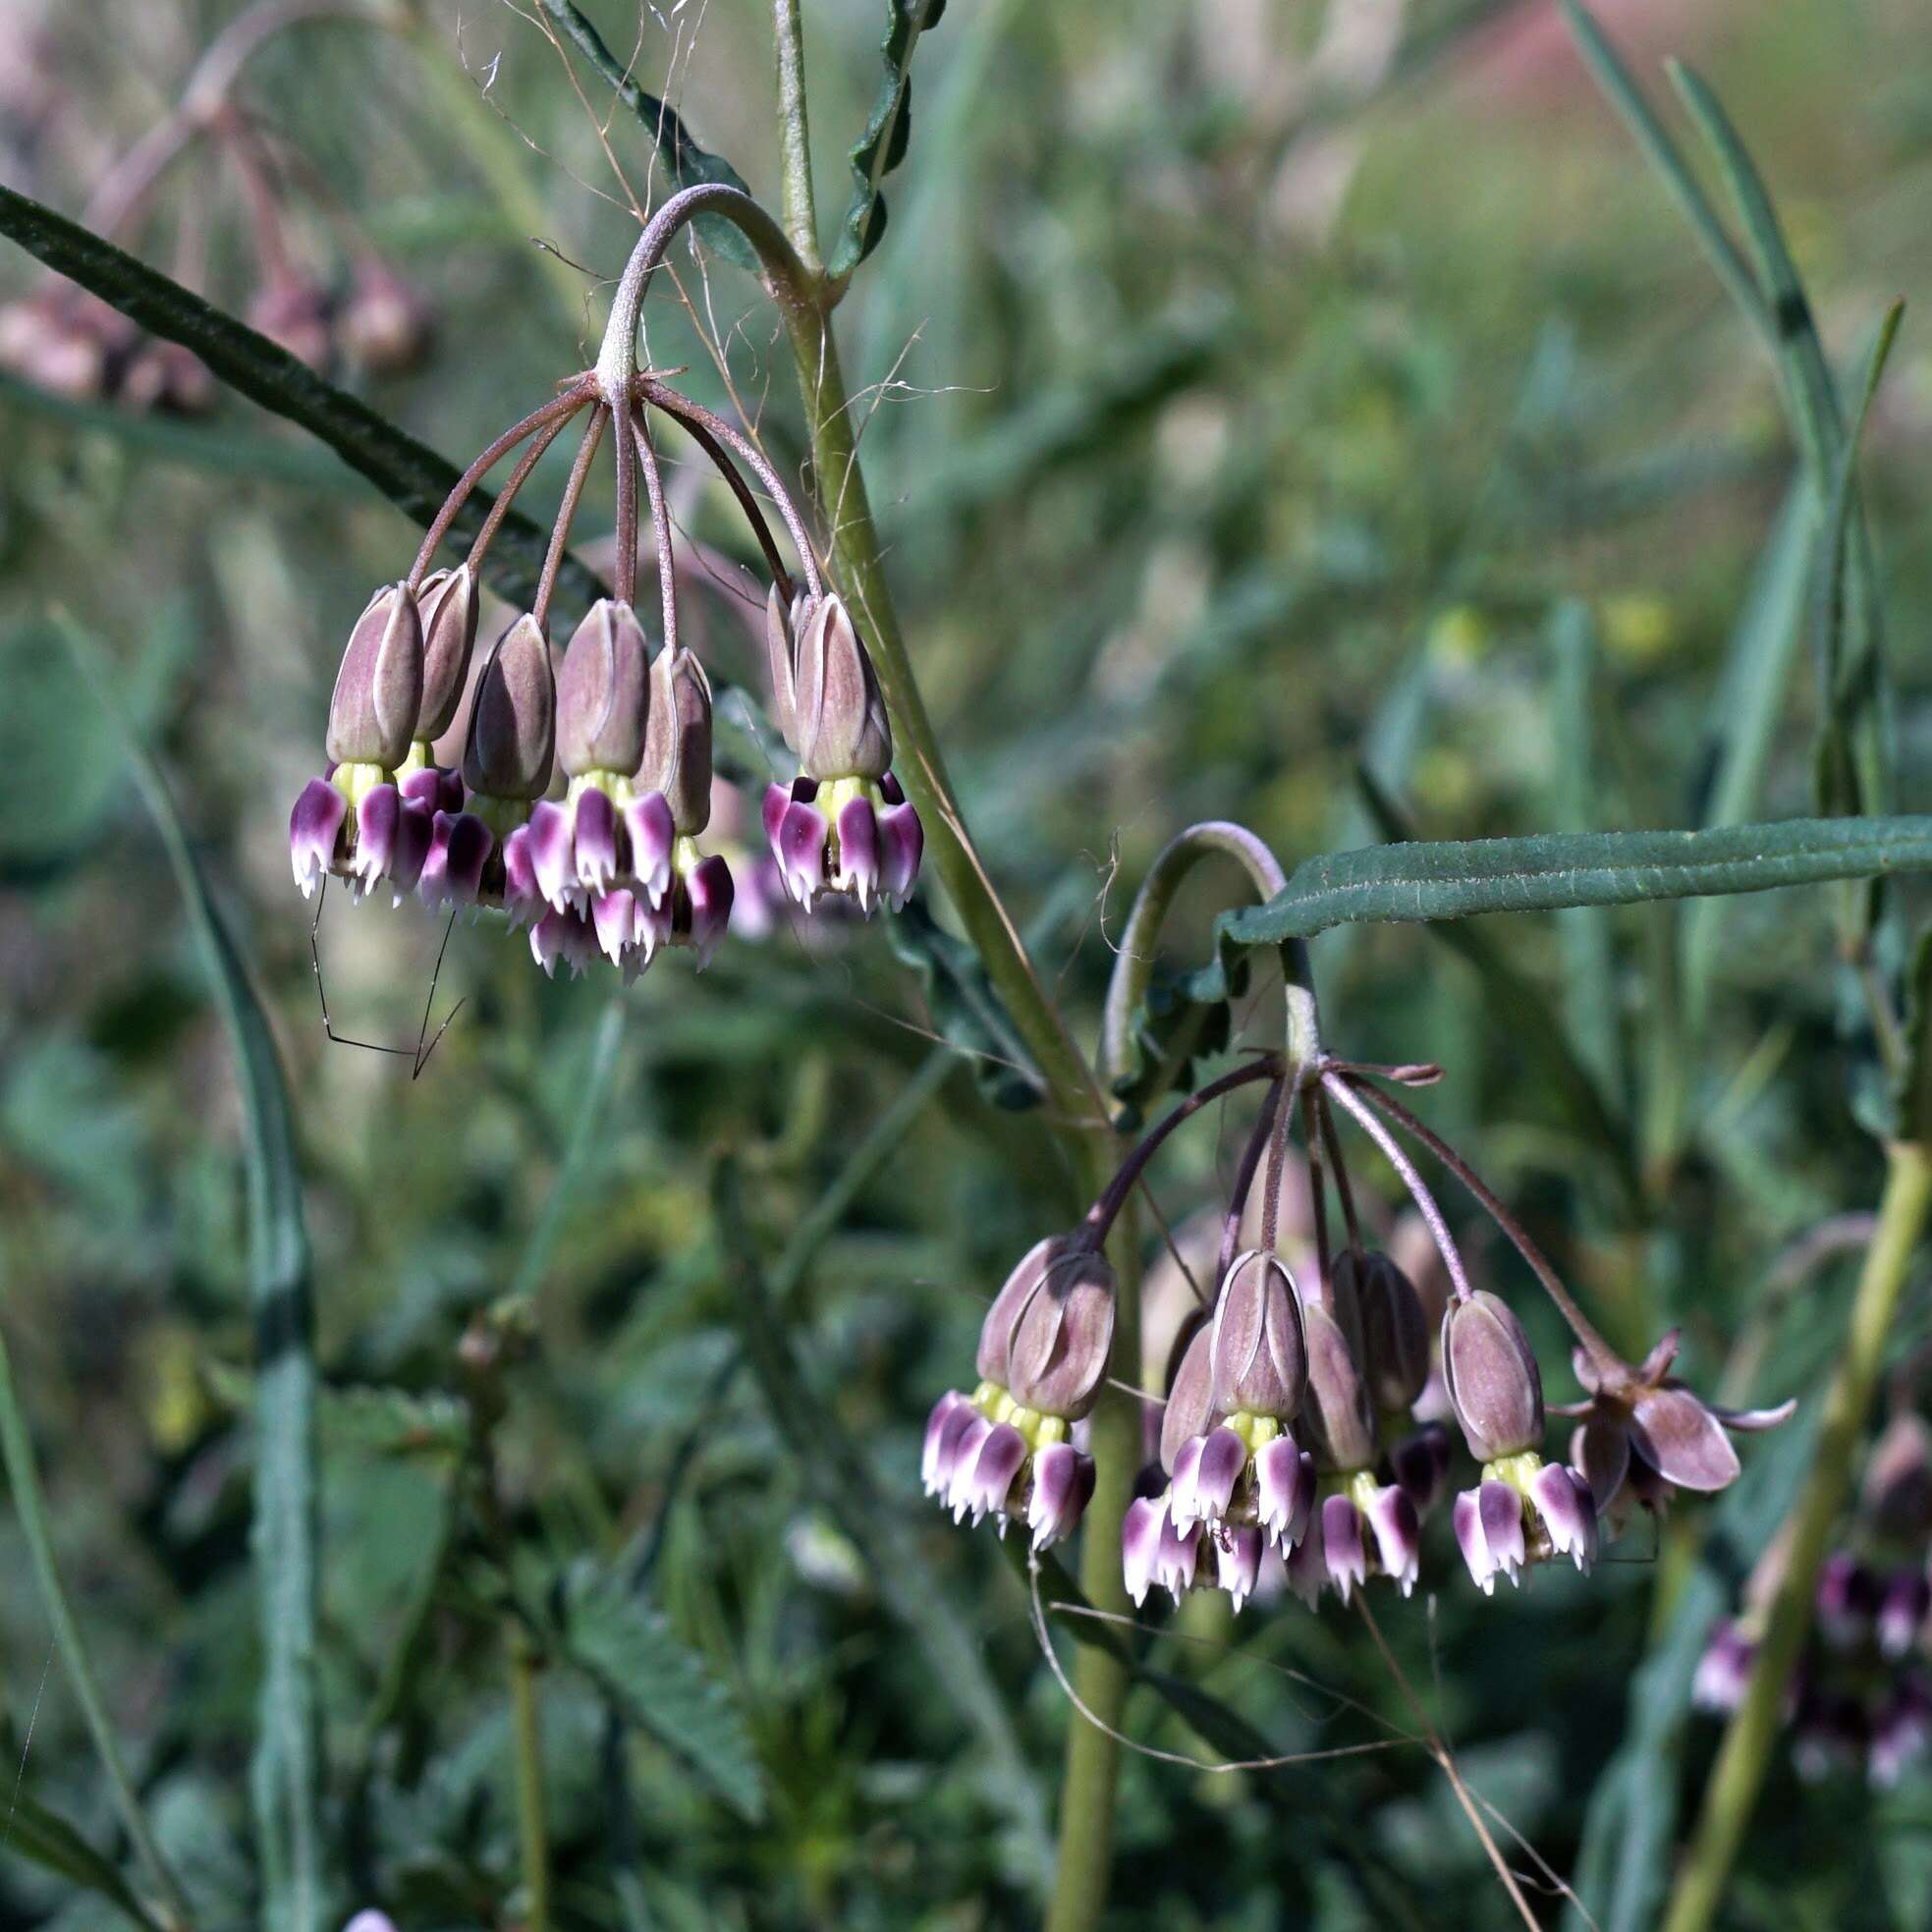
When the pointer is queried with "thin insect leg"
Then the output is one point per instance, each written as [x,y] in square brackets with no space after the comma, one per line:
[423,1052]
[323,995]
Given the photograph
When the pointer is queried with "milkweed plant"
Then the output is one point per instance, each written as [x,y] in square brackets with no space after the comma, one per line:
[1288,1370]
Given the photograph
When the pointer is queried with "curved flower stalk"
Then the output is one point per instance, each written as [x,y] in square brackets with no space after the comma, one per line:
[585,787]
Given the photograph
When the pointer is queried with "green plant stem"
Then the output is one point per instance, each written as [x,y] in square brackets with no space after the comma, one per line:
[527,1727]
[795,134]
[1742,1757]
[24,1480]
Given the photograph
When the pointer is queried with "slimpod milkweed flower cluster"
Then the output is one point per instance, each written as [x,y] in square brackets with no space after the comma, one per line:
[584,786]
[1297,1439]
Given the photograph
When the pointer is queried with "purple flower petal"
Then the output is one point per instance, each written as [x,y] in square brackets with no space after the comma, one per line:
[1176,1556]
[1239,1552]
[1723,1671]
[548,836]
[1141,1543]
[1062,1480]
[1601,1449]
[522,900]
[858,870]
[415,832]
[948,1418]
[901,844]
[1001,1458]
[1421,1461]
[799,849]
[615,916]
[1223,1457]
[593,840]
[1181,1503]
[460,847]
[1500,1509]
[378,821]
[1902,1612]
[1398,1533]
[1684,1439]
[1343,1555]
[1565,1502]
[548,937]
[1283,1490]
[958,1494]
[1307,1565]
[652,833]
[314,825]
[710,888]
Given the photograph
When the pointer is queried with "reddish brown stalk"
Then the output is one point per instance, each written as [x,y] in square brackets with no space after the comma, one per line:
[1317,1193]
[567,404]
[514,483]
[660,524]
[560,534]
[1258,1145]
[624,454]
[1332,1142]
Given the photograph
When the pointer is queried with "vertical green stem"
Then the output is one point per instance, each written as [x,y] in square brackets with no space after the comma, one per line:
[1738,1772]
[794,134]
[526,1730]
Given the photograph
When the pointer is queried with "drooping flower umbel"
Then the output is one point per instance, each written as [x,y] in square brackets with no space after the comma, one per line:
[1007,1450]
[582,789]
[843,825]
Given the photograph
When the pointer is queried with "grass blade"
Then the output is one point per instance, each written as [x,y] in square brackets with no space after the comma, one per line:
[50,1842]
[881,147]
[286,1777]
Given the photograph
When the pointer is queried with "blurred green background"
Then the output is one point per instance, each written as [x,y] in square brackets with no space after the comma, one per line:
[1251,389]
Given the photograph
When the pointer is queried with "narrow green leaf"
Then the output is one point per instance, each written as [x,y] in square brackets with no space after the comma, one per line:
[50,1842]
[1539,874]
[882,145]
[286,1777]
[658,1682]
[683,159]
[966,1009]
[1617,81]
[1573,1085]
[1749,700]
[829,1459]
[411,476]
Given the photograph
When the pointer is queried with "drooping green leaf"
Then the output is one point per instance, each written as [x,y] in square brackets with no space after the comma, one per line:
[882,145]
[1186,1018]
[684,160]
[33,1832]
[1541,873]
[658,1682]
[411,476]
[966,1009]
[286,1777]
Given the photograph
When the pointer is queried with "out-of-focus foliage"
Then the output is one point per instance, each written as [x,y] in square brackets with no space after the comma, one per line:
[1243,400]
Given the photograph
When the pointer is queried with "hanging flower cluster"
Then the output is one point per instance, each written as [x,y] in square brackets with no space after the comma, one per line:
[1861,1697]
[585,787]
[1292,1446]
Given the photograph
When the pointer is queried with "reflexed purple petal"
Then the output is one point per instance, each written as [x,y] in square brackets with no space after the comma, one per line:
[1398,1533]
[1343,1555]
[378,820]
[422,787]
[1564,1501]
[1307,1567]
[799,850]
[460,847]
[946,1418]
[1684,1439]
[710,888]
[901,844]
[1601,1449]
[1902,1612]
[1141,1543]
[859,853]
[1190,1411]
[416,831]
[1063,1481]
[1755,1421]
[1846,1600]
[1181,1501]
[547,941]
[652,834]
[1724,1670]
[1501,1510]
[548,836]
[777,798]
[1238,1563]
[314,825]
[958,1491]
[1175,1558]
[1001,1458]
[615,916]
[522,898]
[593,840]
[1284,1490]
[1474,1545]
[1421,1461]
[1222,1458]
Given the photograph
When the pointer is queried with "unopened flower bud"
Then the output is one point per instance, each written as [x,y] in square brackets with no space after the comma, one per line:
[512,723]
[677,757]
[994,1360]
[446,606]
[784,625]
[1494,1383]
[604,692]
[1061,1343]
[838,712]
[1395,1332]
[378,689]
[385,324]
[293,313]
[1259,1348]
[1336,1409]
[1190,1411]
